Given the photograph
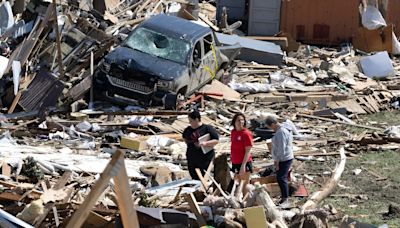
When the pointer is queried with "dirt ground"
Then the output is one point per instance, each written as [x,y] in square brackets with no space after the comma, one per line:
[364,197]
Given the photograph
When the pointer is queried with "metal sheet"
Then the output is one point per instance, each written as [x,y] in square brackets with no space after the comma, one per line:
[264,17]
[42,92]
[235,8]
[254,50]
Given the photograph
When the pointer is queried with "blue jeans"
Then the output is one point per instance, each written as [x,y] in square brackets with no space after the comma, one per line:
[282,177]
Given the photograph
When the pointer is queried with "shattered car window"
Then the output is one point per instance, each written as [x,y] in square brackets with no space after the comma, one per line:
[159,45]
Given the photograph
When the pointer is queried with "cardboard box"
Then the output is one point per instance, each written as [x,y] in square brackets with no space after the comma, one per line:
[136,144]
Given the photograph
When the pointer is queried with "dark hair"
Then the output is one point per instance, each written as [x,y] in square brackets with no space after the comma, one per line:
[237,116]
[270,120]
[195,115]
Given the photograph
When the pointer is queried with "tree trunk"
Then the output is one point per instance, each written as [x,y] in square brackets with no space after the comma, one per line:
[329,186]
[272,214]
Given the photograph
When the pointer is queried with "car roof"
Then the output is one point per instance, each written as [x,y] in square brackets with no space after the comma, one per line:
[176,27]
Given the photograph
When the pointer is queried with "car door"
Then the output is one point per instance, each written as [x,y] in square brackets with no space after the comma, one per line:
[196,73]
[210,59]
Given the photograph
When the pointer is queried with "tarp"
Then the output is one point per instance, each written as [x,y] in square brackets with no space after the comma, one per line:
[6,17]
[372,19]
[378,65]
[3,65]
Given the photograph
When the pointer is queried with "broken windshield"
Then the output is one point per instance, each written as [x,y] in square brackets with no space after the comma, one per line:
[159,45]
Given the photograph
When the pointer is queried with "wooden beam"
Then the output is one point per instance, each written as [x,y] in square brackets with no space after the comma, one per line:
[204,184]
[79,217]
[15,102]
[56,219]
[50,206]
[6,169]
[58,41]
[115,169]
[124,197]
[340,122]
[63,180]
[328,187]
[218,187]
[194,207]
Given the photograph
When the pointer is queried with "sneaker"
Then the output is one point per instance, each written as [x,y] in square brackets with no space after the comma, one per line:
[282,200]
[284,204]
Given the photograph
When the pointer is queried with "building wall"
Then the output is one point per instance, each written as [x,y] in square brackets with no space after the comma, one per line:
[393,15]
[320,21]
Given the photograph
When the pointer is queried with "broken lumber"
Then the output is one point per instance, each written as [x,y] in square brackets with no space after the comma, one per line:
[194,207]
[339,122]
[115,169]
[262,198]
[329,186]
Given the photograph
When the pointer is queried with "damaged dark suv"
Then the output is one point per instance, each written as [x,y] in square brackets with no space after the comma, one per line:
[163,57]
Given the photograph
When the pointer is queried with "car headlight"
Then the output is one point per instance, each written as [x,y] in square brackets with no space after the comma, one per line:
[165,84]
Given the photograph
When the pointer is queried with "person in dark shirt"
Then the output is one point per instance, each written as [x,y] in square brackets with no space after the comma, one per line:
[196,158]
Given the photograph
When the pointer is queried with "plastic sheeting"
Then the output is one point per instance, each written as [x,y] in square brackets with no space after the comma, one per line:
[6,17]
[140,120]
[3,65]
[16,69]
[395,45]
[378,65]
[159,141]
[372,19]
[252,87]
[393,131]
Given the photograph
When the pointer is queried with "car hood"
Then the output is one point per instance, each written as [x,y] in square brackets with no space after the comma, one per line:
[133,60]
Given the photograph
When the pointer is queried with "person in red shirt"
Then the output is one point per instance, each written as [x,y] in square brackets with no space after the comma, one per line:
[241,144]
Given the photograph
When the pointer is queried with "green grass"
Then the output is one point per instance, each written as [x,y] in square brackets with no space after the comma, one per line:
[380,193]
[383,118]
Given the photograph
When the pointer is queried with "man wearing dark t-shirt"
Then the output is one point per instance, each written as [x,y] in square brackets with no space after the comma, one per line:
[196,158]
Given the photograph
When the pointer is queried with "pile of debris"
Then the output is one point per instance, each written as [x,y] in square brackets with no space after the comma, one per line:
[56,144]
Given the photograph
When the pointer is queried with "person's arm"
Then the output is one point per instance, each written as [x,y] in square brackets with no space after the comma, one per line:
[214,138]
[248,143]
[245,160]
[210,143]
[278,147]
[186,137]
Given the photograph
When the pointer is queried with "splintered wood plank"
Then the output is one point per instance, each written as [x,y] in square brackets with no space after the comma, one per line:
[124,197]
[204,184]
[351,105]
[10,196]
[79,217]
[219,87]
[194,207]
[367,106]
[96,220]
[63,180]
[50,206]
[115,169]
[6,169]
[373,102]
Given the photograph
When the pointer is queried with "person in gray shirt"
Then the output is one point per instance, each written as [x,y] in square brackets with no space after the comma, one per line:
[282,154]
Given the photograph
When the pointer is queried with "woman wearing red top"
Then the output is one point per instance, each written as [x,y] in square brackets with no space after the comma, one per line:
[241,143]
